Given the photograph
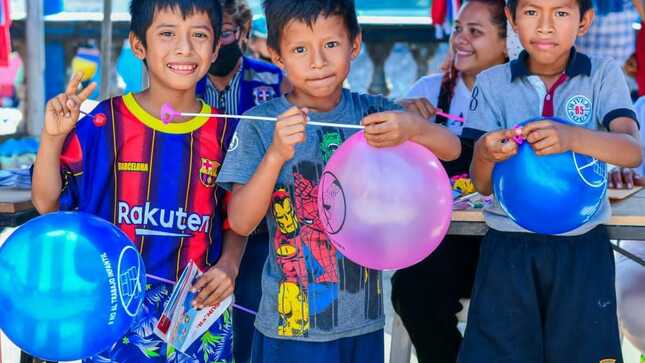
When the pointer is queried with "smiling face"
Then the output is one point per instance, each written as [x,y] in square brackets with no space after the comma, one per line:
[316,59]
[178,50]
[477,43]
[548,29]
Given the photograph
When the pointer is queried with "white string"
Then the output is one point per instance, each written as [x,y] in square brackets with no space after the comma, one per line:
[263,118]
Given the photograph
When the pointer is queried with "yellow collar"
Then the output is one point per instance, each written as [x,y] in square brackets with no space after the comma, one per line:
[156,124]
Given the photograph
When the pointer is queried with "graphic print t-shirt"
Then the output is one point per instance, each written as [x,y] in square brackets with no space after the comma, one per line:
[155,181]
[310,291]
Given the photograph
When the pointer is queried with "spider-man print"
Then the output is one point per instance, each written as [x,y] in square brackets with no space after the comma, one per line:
[313,272]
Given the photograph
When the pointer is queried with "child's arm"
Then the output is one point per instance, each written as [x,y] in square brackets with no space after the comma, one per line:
[219,281]
[392,128]
[250,202]
[61,114]
[620,146]
[491,148]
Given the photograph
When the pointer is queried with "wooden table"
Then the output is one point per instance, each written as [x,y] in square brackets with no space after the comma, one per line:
[15,207]
[627,221]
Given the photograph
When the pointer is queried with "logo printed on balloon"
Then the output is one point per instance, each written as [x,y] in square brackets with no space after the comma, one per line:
[333,202]
[579,109]
[130,288]
[590,170]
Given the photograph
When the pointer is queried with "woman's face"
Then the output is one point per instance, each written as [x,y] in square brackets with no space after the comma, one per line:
[476,42]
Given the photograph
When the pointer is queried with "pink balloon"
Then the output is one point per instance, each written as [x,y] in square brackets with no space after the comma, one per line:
[384,208]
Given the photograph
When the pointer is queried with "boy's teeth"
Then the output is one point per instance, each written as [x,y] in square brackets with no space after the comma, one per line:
[182,67]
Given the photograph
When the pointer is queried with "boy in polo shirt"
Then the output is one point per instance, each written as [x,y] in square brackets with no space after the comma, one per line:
[543,298]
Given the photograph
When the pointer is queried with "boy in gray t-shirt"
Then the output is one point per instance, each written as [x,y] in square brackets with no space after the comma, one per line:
[545,298]
[316,305]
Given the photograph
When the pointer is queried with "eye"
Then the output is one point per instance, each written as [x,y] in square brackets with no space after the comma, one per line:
[562,13]
[530,13]
[457,29]
[200,35]
[475,32]
[298,50]
[167,34]
[332,44]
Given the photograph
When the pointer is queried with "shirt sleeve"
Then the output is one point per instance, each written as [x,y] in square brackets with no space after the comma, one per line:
[427,87]
[71,170]
[483,112]
[614,98]
[244,154]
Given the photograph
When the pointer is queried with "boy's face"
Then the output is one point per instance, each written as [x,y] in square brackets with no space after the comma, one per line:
[316,59]
[548,28]
[179,51]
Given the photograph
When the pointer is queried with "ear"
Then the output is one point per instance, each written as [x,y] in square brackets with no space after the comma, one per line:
[511,19]
[137,46]
[585,22]
[276,58]
[216,51]
[356,45]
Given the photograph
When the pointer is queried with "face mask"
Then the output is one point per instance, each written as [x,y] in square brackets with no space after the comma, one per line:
[227,59]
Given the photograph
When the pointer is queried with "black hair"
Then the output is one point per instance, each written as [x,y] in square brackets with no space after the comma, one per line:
[239,10]
[584,5]
[280,12]
[142,13]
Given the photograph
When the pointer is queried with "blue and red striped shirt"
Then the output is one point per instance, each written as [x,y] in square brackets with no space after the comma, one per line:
[155,181]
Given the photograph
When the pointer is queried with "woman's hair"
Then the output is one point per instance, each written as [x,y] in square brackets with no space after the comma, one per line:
[449,80]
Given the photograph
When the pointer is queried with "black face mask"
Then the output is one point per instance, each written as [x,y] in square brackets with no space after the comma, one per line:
[227,59]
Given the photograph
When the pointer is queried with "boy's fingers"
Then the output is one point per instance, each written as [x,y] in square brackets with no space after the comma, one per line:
[532,126]
[376,118]
[378,129]
[628,177]
[217,295]
[62,98]
[616,179]
[639,181]
[201,282]
[543,144]
[292,120]
[74,82]
[87,91]
[56,106]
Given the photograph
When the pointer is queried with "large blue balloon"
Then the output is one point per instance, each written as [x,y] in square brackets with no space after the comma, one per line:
[550,194]
[70,286]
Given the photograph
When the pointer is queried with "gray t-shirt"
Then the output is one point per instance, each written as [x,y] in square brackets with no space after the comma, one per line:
[593,94]
[310,292]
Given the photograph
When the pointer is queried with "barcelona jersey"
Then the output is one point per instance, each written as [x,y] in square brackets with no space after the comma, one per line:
[155,181]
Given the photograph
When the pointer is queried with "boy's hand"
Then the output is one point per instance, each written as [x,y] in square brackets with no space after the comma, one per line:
[497,146]
[62,111]
[385,129]
[215,285]
[626,178]
[421,106]
[289,131]
[549,137]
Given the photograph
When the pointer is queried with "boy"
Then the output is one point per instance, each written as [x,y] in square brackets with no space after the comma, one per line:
[236,83]
[542,298]
[316,305]
[155,181]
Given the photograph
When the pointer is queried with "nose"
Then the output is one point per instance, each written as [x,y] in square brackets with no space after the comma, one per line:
[545,24]
[184,45]
[318,59]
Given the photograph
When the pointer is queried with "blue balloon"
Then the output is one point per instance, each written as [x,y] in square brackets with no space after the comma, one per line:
[550,194]
[70,285]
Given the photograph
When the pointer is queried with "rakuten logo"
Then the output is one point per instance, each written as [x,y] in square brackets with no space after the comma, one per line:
[176,219]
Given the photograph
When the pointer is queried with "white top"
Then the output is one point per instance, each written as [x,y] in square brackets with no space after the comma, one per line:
[639,107]
[429,87]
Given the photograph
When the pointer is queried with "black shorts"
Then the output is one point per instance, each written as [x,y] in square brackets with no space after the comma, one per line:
[540,298]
